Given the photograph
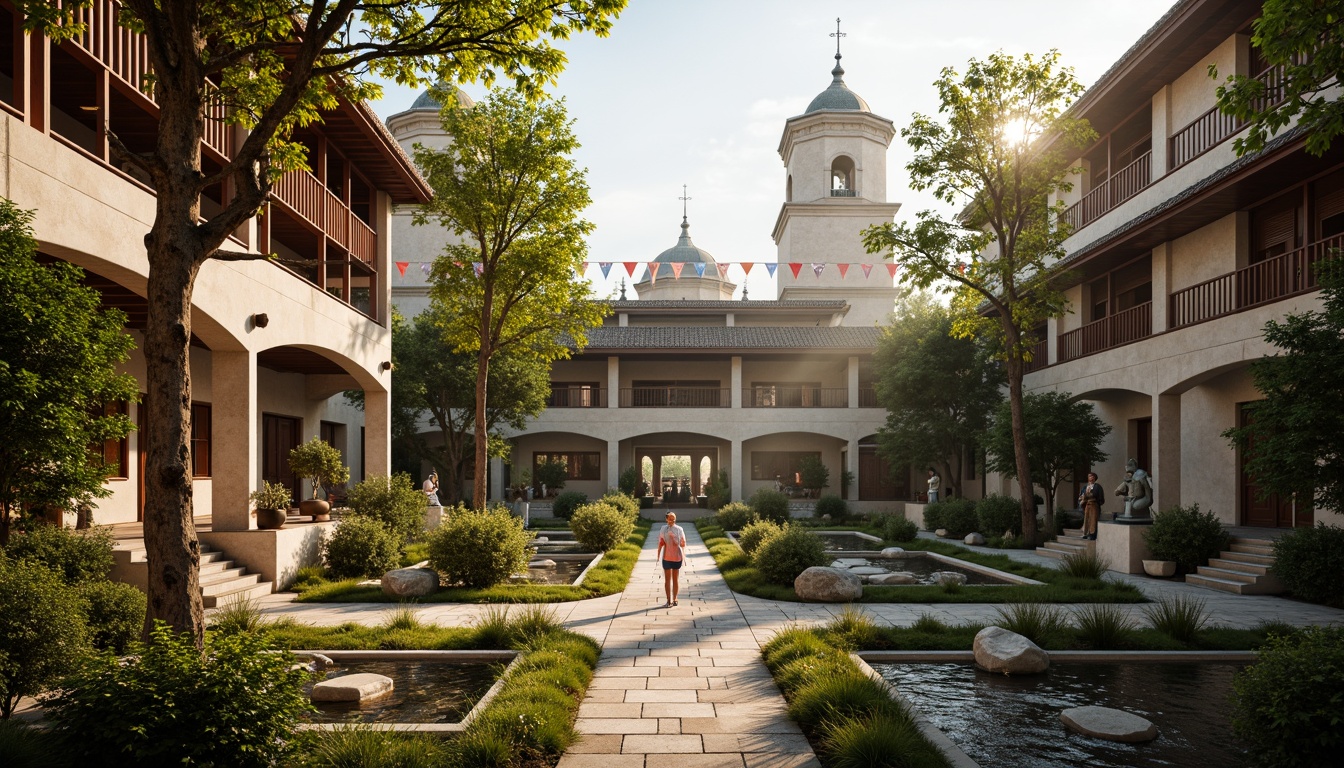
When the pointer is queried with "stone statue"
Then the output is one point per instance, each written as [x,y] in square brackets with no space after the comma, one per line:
[1137,489]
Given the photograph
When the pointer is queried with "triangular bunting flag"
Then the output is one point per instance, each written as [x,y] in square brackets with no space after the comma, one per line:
[961,267]
[677,266]
[844,268]
[652,267]
[817,269]
[478,268]
[771,267]
[630,267]
[795,266]
[605,266]
[891,269]
[584,271]
[424,267]
[699,269]
[746,268]
[723,270]
[867,270]
[401,267]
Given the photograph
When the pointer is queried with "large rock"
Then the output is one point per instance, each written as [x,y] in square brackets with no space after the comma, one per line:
[998,650]
[945,578]
[410,582]
[1109,724]
[974,540]
[899,577]
[357,687]
[892,552]
[827,585]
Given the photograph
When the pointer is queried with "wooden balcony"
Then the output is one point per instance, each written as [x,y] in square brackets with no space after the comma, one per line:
[1040,356]
[1122,328]
[795,397]
[1273,279]
[868,398]
[577,397]
[675,397]
[302,195]
[1213,127]
[1124,184]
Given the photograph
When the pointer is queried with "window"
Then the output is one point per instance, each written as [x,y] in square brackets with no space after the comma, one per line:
[113,453]
[785,394]
[573,394]
[842,177]
[784,465]
[579,465]
[1274,228]
[1133,284]
[1328,199]
[200,439]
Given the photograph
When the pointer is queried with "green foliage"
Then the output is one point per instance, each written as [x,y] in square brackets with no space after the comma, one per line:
[361,546]
[770,505]
[780,558]
[1061,433]
[27,747]
[320,463]
[1310,561]
[626,503]
[628,482]
[717,491]
[899,529]
[929,624]
[1037,622]
[59,380]
[814,474]
[601,526]
[393,501]
[553,475]
[880,741]
[1186,535]
[851,629]
[755,533]
[42,630]
[832,505]
[77,556]
[271,496]
[1104,626]
[167,703]
[479,548]
[1086,564]
[736,516]
[238,616]
[933,516]
[1179,617]
[1288,703]
[956,515]
[566,503]
[114,614]
[998,514]
[359,746]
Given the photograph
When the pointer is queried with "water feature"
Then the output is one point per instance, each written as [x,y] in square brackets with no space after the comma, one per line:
[425,691]
[567,568]
[1014,721]
[844,541]
[922,567]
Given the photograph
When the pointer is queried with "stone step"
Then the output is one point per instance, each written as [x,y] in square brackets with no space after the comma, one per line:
[1060,547]
[1240,566]
[1248,558]
[1252,547]
[228,586]
[223,574]
[1227,575]
[247,592]
[1211,582]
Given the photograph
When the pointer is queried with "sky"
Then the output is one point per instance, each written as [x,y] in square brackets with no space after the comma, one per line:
[696,92]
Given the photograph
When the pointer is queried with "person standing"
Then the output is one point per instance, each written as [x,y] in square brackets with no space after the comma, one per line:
[671,551]
[431,489]
[1091,500]
[934,482]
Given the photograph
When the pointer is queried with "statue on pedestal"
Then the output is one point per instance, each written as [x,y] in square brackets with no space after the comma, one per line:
[1137,489]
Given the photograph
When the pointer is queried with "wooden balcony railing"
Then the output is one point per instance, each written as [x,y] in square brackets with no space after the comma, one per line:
[1121,328]
[795,397]
[1213,127]
[675,397]
[1273,279]
[304,196]
[1040,356]
[1126,183]
[577,397]
[868,398]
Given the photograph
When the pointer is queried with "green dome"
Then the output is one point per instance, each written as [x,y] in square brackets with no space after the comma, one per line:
[428,101]
[684,251]
[837,96]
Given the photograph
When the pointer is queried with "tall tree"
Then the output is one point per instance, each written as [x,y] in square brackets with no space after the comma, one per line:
[1298,429]
[273,65]
[1304,41]
[59,354]
[508,186]
[435,383]
[1062,435]
[939,390]
[1004,148]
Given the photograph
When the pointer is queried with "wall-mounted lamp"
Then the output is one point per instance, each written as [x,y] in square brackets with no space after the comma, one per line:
[261,320]
[386,365]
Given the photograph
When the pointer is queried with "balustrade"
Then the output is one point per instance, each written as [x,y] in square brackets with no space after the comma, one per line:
[675,397]
[577,397]
[1276,278]
[1126,183]
[1121,328]
[795,397]
[1213,127]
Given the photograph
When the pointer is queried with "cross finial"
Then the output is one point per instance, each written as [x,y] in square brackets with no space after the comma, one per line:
[683,200]
[837,34]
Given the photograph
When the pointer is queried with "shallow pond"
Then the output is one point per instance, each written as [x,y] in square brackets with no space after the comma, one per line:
[1014,721]
[423,692]
[849,542]
[920,566]
[565,571]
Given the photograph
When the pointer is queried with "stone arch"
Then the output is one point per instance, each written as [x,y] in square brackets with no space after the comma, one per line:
[788,189]
[843,180]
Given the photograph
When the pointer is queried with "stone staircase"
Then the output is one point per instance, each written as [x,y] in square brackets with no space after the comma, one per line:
[222,582]
[1246,568]
[1072,542]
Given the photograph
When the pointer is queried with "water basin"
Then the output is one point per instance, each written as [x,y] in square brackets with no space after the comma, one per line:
[923,567]
[424,691]
[567,568]
[841,541]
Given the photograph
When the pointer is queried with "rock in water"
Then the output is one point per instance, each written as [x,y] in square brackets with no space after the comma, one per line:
[1109,724]
[1000,651]
[944,578]
[352,687]
[893,552]
[899,577]
[410,582]
[827,585]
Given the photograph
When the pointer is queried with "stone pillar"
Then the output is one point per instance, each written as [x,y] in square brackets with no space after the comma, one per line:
[1166,469]
[735,381]
[1161,287]
[695,473]
[657,482]
[737,470]
[1162,128]
[853,381]
[1052,340]
[613,463]
[235,464]
[497,479]
[852,462]
[614,381]
[378,433]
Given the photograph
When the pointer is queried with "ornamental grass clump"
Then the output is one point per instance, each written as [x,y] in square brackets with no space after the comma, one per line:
[1086,564]
[781,557]
[1104,626]
[479,547]
[1038,622]
[1180,617]
[600,526]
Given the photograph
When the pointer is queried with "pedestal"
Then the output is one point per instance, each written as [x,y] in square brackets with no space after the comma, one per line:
[433,516]
[1123,545]
[914,513]
[277,554]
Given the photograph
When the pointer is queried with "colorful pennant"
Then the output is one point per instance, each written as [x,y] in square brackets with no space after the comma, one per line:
[699,269]
[630,267]
[891,270]
[867,270]
[478,268]
[771,267]
[401,267]
[844,268]
[677,266]
[795,266]
[605,266]
[817,269]
[723,270]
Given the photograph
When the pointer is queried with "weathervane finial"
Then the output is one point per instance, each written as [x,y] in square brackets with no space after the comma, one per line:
[837,34]
[683,200]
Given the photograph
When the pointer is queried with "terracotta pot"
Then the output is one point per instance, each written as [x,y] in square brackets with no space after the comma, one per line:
[269,519]
[317,509]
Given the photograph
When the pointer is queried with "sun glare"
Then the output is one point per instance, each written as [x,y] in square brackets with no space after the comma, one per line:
[1019,131]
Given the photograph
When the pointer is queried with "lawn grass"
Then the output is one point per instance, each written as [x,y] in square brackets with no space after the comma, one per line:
[744,578]
[606,578]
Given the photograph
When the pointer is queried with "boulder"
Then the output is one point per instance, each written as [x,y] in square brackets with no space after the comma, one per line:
[828,585]
[941,533]
[410,582]
[1109,724]
[998,650]
[944,578]
[358,687]
[974,540]
[900,577]
[892,553]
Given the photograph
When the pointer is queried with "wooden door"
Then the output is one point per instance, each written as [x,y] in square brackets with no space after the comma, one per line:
[279,436]
[875,477]
[1272,511]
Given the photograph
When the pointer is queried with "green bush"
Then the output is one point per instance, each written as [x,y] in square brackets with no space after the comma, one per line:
[755,533]
[79,556]
[627,504]
[479,548]
[933,516]
[997,514]
[885,740]
[770,505]
[1288,703]
[565,504]
[717,492]
[832,505]
[1104,626]
[42,630]
[813,474]
[783,556]
[1310,561]
[899,529]
[1186,535]
[628,482]
[361,546]
[236,705]
[735,516]
[114,614]
[24,746]
[601,526]
[356,746]
[395,502]
[552,474]
[957,516]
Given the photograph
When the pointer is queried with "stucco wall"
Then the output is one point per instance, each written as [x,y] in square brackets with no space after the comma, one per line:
[1192,94]
[1206,253]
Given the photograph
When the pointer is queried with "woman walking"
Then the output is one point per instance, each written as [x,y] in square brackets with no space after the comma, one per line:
[671,551]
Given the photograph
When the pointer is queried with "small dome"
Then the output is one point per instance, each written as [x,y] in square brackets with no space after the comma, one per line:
[684,251]
[837,96]
[428,101]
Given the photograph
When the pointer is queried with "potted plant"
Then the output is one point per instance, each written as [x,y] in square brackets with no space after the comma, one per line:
[270,505]
[321,465]
[552,476]
[525,484]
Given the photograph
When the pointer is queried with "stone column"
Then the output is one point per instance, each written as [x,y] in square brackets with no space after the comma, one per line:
[852,460]
[235,462]
[657,483]
[614,382]
[1161,287]
[853,381]
[1166,469]
[1162,128]
[497,479]
[613,463]
[378,433]
[736,470]
[1052,340]
[735,381]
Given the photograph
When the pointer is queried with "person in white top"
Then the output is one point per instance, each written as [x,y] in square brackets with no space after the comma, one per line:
[431,489]
[934,482]
[671,551]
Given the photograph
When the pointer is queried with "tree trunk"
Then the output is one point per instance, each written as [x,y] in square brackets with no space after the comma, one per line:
[481,443]
[1024,486]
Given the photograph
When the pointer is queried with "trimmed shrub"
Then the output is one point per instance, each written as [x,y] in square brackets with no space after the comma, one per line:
[393,501]
[551,474]
[236,705]
[899,529]
[832,505]
[42,630]
[958,517]
[770,505]
[1310,561]
[627,504]
[114,614]
[565,504]
[361,546]
[933,516]
[1186,535]
[783,556]
[997,514]
[755,533]
[735,516]
[601,526]
[479,547]
[717,492]
[628,481]
[1287,704]
[77,556]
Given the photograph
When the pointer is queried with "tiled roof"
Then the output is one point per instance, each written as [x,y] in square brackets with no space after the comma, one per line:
[734,337]
[738,306]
